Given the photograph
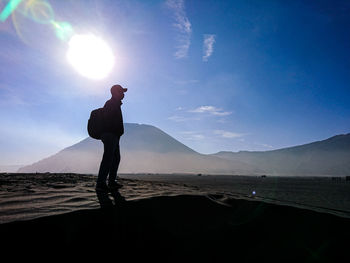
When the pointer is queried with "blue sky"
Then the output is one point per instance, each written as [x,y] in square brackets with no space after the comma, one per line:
[216,75]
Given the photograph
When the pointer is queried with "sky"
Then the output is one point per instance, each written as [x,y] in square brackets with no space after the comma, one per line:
[215,75]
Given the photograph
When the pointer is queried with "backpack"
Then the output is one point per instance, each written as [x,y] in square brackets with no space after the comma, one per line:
[95,125]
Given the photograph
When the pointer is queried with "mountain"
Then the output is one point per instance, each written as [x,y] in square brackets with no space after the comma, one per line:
[144,149]
[10,168]
[327,157]
[147,149]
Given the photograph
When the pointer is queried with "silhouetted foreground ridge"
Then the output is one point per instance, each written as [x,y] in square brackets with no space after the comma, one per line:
[187,227]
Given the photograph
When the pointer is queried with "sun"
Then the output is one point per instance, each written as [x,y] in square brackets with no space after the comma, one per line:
[90,56]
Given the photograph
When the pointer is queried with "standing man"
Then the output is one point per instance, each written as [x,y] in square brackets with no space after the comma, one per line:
[113,129]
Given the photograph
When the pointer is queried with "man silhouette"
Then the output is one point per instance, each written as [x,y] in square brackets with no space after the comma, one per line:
[113,129]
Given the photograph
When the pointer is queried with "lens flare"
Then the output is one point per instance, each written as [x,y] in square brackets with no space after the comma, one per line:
[64,30]
[40,11]
[90,56]
[9,8]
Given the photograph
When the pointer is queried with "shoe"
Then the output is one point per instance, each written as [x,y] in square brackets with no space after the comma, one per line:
[114,185]
[102,187]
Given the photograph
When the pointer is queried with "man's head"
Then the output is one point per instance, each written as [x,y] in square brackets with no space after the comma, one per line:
[117,92]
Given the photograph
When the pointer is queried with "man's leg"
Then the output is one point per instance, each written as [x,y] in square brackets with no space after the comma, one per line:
[109,149]
[115,162]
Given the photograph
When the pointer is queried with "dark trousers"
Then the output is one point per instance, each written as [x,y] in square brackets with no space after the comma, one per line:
[111,158]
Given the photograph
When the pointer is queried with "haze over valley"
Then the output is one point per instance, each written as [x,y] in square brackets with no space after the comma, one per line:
[147,149]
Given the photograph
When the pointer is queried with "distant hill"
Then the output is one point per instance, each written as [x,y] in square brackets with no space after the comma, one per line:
[144,149]
[10,168]
[321,158]
[147,149]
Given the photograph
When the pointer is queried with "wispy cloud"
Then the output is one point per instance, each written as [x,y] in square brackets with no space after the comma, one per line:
[265,145]
[186,82]
[208,46]
[183,27]
[211,110]
[183,115]
[178,118]
[193,136]
[228,134]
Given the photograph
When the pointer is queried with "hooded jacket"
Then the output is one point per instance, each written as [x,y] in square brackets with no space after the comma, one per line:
[113,116]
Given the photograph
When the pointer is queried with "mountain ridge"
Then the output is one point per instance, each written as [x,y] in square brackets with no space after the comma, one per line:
[326,157]
[148,149]
[339,136]
[144,149]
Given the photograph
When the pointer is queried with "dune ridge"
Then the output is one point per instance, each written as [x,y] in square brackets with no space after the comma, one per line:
[191,227]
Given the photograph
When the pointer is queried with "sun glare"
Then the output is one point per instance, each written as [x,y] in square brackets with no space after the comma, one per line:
[90,56]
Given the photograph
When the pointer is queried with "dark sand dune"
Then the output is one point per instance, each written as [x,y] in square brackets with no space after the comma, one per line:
[58,216]
[185,228]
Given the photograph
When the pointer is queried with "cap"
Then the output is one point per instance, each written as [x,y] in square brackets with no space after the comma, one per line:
[117,89]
